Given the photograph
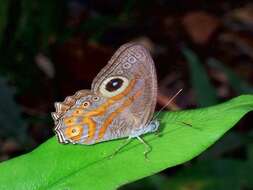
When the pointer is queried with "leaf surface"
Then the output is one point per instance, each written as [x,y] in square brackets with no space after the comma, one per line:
[183,136]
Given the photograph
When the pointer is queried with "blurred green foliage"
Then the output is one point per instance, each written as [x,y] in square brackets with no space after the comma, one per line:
[28,28]
[238,84]
[12,124]
[205,92]
[3,17]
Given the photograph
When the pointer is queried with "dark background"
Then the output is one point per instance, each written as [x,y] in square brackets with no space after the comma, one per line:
[50,49]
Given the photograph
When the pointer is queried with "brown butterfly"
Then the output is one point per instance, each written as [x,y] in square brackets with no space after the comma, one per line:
[120,104]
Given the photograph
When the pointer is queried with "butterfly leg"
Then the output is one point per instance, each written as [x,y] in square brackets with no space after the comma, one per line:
[147,147]
[121,146]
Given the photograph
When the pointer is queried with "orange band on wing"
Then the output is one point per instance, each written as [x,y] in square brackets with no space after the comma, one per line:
[91,128]
[110,118]
[100,111]
[103,108]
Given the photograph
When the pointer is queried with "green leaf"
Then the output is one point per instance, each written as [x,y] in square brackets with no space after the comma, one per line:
[184,135]
[205,92]
[208,174]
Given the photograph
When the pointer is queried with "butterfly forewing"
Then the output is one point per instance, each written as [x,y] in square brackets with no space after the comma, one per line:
[133,62]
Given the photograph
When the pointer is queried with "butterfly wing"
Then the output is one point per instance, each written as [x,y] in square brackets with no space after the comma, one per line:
[61,113]
[129,82]
[120,103]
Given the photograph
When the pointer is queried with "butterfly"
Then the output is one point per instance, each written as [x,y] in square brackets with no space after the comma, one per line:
[120,104]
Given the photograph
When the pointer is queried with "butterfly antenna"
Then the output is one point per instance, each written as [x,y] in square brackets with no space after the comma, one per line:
[166,104]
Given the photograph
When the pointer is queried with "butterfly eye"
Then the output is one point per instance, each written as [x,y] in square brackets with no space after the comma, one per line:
[112,86]
[85,104]
[95,98]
